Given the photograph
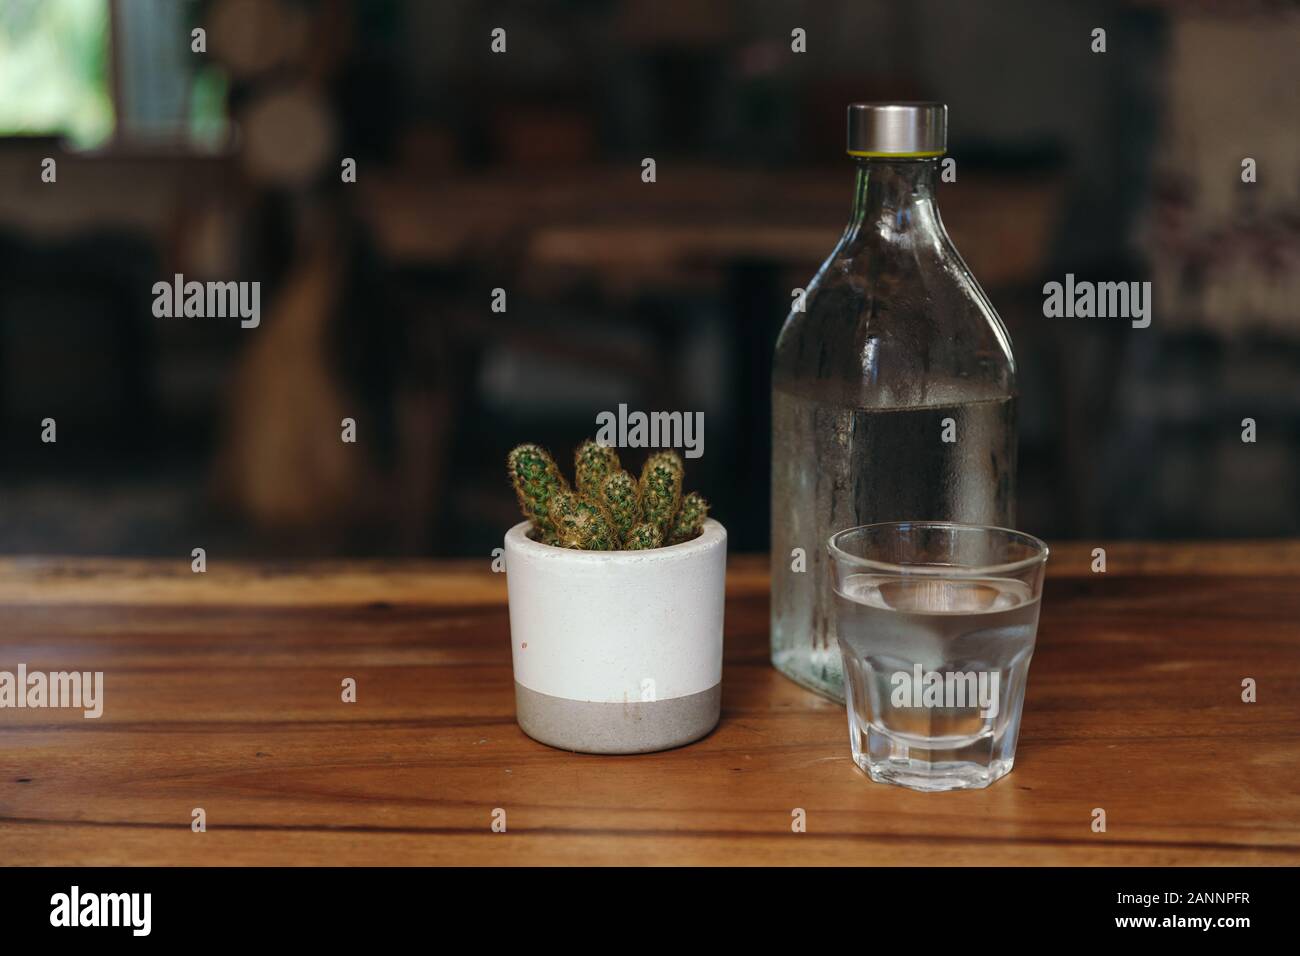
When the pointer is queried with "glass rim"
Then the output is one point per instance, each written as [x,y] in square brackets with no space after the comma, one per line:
[967,570]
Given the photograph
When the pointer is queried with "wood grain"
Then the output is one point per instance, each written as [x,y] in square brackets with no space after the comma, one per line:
[223,692]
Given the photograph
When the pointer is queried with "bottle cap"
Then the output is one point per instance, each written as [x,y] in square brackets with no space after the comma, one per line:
[900,130]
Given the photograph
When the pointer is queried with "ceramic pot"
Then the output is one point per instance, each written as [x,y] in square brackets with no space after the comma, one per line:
[617,652]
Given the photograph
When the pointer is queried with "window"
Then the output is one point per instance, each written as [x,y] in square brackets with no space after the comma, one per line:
[100,70]
[54,76]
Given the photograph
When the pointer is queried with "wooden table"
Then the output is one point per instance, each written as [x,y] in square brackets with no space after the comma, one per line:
[603,223]
[223,691]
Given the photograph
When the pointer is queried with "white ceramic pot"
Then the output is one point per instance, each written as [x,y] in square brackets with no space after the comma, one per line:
[617,652]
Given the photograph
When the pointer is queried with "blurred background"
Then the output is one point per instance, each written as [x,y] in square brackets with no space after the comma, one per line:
[521,171]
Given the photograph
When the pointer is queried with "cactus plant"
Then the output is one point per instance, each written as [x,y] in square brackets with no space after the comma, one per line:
[643,536]
[689,520]
[608,509]
[537,481]
[583,523]
[622,498]
[592,464]
[661,488]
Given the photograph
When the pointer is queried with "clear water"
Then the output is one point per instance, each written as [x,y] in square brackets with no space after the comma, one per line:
[836,464]
[976,635]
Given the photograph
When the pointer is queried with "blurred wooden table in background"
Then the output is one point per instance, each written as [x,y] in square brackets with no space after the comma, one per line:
[603,223]
[223,691]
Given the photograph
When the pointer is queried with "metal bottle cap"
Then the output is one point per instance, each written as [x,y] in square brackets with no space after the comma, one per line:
[902,130]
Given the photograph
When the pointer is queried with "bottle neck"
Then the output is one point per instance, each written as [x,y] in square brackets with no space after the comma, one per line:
[894,196]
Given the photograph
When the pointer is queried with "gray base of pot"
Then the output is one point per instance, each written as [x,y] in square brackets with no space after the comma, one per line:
[635,727]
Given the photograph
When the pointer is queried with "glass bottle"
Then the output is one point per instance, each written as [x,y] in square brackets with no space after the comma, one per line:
[894,386]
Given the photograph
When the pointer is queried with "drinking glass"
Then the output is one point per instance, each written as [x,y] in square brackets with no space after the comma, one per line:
[936,623]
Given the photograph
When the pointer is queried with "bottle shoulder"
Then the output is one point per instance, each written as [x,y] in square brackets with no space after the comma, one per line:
[896,316]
